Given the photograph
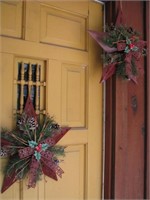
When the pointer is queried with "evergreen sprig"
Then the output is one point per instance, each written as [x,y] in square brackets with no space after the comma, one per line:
[131,38]
[23,136]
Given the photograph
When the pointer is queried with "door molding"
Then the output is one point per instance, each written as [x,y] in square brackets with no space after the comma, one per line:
[147,7]
[109,120]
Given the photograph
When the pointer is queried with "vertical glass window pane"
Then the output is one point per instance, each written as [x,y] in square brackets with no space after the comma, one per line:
[33,95]
[39,94]
[25,94]
[34,73]
[19,71]
[39,73]
[28,75]
[18,96]
[26,72]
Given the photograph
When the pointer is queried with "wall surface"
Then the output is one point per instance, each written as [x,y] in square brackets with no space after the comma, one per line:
[125,120]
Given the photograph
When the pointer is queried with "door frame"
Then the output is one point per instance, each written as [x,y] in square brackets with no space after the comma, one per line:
[110,120]
[147,5]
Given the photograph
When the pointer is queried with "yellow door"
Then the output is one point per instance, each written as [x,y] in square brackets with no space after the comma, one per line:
[52,37]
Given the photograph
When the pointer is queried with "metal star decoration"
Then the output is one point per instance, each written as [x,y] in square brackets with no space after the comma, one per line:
[123,50]
[32,149]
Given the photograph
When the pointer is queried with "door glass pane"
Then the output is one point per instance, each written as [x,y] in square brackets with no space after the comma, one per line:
[29,73]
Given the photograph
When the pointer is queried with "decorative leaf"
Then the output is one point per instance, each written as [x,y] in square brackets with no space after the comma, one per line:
[8,181]
[32,144]
[120,18]
[4,142]
[98,38]
[44,146]
[37,155]
[127,50]
[135,48]
[49,172]
[128,41]
[108,71]
[29,109]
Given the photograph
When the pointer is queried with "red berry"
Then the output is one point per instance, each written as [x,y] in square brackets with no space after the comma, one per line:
[131,46]
[39,147]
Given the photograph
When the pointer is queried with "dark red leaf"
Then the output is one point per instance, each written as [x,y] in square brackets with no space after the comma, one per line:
[129,73]
[98,36]
[108,71]
[49,172]
[8,181]
[5,142]
[57,135]
[29,109]
[120,18]
[61,132]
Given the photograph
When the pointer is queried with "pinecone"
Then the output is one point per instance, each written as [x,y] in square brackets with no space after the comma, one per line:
[55,126]
[3,152]
[32,123]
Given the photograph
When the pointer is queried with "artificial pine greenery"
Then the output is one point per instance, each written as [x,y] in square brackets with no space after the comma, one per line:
[27,143]
[118,33]
[133,45]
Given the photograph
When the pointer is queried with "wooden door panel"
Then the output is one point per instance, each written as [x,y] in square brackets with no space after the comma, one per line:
[68,107]
[11,18]
[73,103]
[7,90]
[80,8]
[72,93]
[71,186]
[62,28]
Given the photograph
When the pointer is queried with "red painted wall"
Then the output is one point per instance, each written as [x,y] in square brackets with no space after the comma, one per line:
[126,122]
[130,123]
